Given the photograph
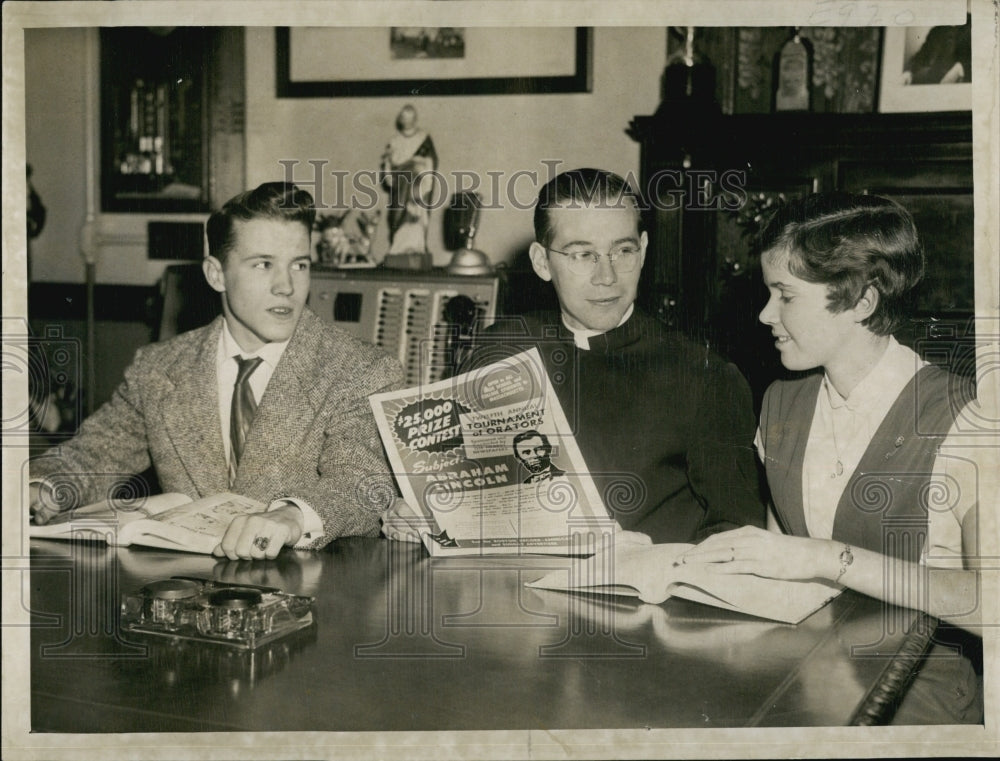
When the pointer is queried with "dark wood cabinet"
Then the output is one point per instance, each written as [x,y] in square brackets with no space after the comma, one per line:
[707,188]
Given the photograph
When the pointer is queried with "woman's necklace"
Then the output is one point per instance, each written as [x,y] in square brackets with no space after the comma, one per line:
[839,468]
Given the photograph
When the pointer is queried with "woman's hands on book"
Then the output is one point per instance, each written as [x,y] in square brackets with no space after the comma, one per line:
[765,553]
[260,536]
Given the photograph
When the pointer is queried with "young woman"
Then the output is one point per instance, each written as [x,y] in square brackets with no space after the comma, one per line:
[856,453]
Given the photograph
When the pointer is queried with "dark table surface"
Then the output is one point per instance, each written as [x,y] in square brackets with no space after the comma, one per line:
[404,642]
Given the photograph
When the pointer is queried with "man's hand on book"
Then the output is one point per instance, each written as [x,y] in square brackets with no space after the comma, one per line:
[404,524]
[260,536]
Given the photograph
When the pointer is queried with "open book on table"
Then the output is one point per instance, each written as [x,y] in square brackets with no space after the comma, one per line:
[169,521]
[648,572]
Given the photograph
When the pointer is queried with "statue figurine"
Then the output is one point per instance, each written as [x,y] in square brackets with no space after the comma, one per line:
[407,165]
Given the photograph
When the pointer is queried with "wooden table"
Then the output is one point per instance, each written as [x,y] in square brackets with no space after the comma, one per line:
[404,642]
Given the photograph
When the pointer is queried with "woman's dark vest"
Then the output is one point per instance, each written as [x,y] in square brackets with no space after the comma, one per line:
[884,506]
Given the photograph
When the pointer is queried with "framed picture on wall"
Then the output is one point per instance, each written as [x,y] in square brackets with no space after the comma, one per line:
[314,62]
[927,68]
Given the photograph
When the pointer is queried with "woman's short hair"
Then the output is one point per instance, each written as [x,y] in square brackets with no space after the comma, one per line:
[579,187]
[282,201]
[849,242]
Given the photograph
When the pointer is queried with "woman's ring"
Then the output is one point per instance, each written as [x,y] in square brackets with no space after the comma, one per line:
[261,542]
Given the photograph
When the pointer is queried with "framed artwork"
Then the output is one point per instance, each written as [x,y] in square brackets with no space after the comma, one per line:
[845,67]
[927,68]
[324,62]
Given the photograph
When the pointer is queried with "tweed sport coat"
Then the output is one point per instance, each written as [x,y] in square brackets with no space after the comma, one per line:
[313,436]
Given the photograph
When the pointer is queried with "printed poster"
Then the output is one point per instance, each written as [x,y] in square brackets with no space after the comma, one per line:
[487,458]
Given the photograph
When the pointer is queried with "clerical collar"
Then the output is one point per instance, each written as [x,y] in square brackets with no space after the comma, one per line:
[582,336]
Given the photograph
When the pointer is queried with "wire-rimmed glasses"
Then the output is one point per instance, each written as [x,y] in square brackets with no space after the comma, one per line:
[624,258]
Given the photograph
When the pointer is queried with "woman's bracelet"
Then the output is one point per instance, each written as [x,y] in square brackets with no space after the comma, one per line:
[846,558]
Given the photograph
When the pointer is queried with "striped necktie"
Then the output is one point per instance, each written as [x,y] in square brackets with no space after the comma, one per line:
[243,408]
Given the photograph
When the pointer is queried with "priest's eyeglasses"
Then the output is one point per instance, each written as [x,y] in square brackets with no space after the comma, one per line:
[623,257]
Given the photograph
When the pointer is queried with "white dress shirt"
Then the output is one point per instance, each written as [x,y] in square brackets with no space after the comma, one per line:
[226,371]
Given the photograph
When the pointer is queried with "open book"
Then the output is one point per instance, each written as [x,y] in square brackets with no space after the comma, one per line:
[168,521]
[649,573]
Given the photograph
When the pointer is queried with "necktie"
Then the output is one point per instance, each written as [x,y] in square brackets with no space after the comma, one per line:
[243,408]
